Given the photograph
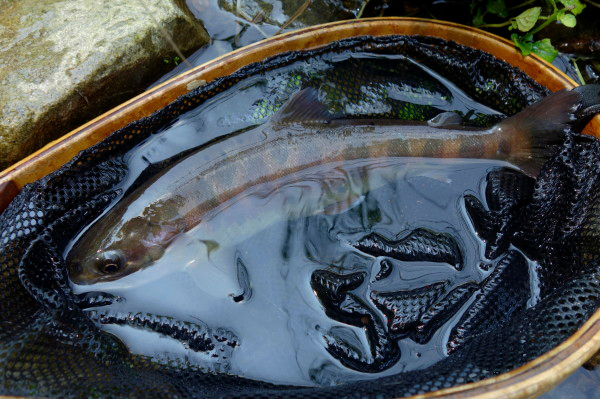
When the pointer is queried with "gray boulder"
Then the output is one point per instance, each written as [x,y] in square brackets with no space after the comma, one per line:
[64,62]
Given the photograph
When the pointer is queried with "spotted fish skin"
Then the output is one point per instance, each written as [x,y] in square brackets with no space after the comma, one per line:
[303,134]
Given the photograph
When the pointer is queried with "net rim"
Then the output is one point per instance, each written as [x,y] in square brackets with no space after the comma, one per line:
[530,379]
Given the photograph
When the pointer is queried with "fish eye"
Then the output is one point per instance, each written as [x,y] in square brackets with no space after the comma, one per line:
[110,268]
[109,262]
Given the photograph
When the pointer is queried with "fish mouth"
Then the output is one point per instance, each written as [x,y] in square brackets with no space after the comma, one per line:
[196,336]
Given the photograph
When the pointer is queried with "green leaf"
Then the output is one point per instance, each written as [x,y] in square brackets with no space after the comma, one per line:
[497,7]
[523,43]
[527,19]
[472,6]
[568,20]
[575,6]
[545,49]
[478,18]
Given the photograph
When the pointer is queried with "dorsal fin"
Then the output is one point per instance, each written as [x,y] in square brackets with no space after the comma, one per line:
[304,107]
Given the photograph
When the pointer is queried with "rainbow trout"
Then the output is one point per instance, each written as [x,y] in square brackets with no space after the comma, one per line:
[138,229]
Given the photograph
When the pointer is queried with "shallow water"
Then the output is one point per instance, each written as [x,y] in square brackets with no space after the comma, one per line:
[254,283]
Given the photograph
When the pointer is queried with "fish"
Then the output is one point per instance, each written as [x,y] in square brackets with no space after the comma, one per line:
[137,231]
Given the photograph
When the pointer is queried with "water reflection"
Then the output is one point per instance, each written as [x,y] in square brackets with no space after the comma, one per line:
[280,282]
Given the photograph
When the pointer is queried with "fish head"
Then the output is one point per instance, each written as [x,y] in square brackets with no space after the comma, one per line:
[107,254]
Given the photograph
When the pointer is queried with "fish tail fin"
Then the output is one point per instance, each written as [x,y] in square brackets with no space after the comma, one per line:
[530,137]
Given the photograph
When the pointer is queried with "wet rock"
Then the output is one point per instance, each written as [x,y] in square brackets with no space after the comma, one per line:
[64,62]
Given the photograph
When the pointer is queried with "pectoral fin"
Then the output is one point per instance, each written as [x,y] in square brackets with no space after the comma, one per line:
[445,120]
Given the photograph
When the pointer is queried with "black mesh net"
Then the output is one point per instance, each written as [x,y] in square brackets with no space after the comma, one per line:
[49,347]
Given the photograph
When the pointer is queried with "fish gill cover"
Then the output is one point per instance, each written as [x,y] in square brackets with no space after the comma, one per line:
[51,346]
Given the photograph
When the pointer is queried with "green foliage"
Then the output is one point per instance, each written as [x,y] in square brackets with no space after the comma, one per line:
[567,19]
[574,6]
[545,49]
[497,7]
[523,43]
[175,60]
[528,22]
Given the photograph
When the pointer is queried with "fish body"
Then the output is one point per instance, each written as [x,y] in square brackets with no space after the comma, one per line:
[138,229]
